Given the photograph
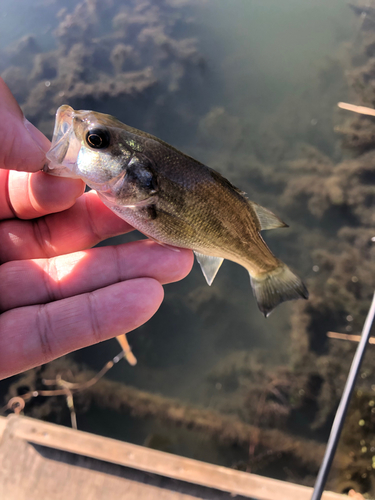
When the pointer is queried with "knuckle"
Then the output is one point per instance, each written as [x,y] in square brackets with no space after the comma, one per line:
[94,320]
[91,220]
[43,237]
[45,332]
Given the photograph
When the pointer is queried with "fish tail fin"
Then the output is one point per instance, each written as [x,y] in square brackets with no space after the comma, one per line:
[276,286]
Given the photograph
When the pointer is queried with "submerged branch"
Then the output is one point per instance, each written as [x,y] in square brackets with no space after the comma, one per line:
[223,428]
[362,110]
[67,389]
[346,336]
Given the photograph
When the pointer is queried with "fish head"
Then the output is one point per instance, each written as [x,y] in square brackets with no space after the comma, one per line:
[104,153]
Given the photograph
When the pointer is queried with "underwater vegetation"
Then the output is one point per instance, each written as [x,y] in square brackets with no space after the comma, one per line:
[135,63]
[307,161]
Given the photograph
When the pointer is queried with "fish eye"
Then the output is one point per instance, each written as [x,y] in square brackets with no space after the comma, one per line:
[97,138]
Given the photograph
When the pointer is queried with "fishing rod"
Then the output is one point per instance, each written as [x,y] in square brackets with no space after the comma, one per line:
[338,423]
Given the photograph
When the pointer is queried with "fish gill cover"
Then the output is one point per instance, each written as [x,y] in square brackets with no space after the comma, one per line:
[270,387]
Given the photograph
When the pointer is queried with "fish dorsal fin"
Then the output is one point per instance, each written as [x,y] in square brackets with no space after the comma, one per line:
[209,265]
[267,219]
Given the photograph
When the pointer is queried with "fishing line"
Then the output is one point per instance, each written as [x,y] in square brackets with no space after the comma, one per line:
[343,406]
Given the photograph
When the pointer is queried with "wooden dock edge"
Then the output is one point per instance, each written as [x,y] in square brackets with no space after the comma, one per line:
[154,461]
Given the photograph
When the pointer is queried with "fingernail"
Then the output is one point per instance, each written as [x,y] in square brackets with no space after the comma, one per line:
[40,139]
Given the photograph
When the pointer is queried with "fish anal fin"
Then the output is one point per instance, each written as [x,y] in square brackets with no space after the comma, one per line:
[267,219]
[209,265]
[279,285]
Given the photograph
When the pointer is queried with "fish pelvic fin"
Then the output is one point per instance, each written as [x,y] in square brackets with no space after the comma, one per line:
[279,285]
[209,265]
[267,219]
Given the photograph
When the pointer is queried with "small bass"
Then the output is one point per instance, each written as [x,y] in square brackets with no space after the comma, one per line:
[172,198]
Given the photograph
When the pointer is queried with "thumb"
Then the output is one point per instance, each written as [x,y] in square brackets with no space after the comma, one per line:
[23,145]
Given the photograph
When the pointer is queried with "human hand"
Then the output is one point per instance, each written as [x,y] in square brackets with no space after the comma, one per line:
[56,296]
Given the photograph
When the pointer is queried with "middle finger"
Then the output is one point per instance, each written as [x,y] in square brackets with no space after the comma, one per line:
[82,226]
[82,272]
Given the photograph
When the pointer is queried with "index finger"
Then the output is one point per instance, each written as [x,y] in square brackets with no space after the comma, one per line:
[30,195]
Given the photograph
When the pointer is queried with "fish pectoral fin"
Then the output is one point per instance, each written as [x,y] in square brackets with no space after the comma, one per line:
[267,219]
[209,265]
[175,249]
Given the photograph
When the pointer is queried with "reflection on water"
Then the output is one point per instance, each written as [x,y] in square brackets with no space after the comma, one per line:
[249,88]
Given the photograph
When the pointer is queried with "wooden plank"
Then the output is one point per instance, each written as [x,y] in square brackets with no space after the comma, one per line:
[157,462]
[32,472]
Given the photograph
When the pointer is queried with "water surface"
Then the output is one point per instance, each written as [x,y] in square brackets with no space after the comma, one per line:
[249,88]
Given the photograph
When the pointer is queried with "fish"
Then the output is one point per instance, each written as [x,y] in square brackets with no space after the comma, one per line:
[172,198]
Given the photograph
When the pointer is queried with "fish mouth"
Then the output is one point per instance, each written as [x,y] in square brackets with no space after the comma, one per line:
[63,154]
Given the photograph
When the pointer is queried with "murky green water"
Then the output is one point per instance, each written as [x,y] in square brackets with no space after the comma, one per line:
[249,88]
